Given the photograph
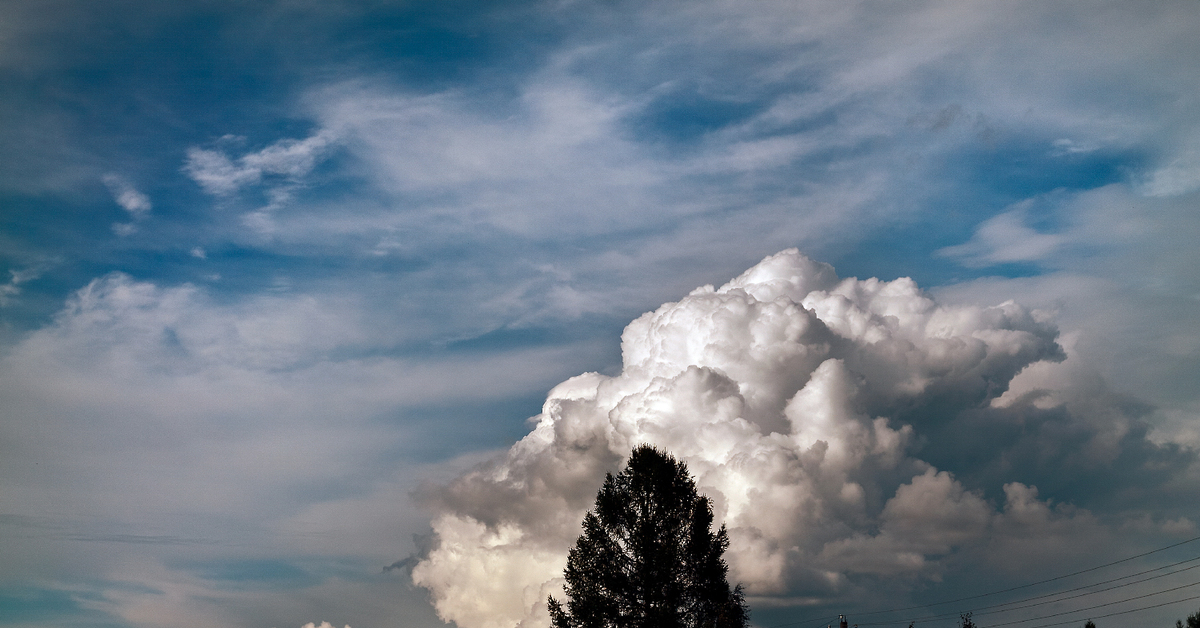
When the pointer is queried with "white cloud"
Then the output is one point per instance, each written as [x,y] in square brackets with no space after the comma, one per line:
[279,168]
[551,166]
[127,196]
[825,153]
[17,277]
[221,176]
[124,229]
[153,407]
[150,427]
[131,200]
[13,287]
[1180,176]
[1005,238]
[783,390]
[1120,276]
[1064,146]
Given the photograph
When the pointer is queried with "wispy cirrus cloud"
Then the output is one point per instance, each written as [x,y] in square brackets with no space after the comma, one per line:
[20,276]
[279,168]
[220,175]
[1005,238]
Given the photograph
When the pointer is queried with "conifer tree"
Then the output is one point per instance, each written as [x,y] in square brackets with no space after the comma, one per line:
[648,557]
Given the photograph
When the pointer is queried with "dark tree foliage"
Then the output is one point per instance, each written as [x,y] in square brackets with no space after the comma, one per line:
[1090,624]
[1193,621]
[964,621]
[648,557]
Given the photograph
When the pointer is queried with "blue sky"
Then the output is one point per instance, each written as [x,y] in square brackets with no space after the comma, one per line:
[275,276]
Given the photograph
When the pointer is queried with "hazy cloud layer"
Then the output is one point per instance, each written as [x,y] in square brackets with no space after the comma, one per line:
[797,399]
[235,426]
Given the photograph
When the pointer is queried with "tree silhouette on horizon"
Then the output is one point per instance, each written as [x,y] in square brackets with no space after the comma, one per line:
[648,557]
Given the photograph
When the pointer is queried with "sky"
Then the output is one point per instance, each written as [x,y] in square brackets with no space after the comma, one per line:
[340,311]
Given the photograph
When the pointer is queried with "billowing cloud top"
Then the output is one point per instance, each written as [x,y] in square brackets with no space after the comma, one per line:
[796,398]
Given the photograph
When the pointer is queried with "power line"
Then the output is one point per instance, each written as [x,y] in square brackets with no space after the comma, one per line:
[1026,586]
[1144,608]
[815,621]
[1096,584]
[811,621]
[1072,597]
[1088,608]
[1113,614]
[998,608]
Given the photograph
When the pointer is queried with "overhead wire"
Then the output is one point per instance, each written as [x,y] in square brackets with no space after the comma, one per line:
[1088,608]
[998,608]
[1125,612]
[1117,613]
[1070,612]
[815,621]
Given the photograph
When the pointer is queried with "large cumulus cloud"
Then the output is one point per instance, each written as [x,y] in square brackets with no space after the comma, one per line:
[802,403]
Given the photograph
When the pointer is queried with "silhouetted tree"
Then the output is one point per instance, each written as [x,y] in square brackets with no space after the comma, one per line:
[648,557]
[964,621]
[1193,621]
[1090,624]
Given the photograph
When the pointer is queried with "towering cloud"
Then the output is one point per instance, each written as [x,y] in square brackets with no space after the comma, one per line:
[802,404]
